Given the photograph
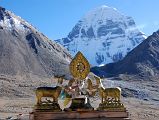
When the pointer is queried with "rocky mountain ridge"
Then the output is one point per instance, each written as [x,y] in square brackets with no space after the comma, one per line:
[24,49]
[143,61]
[28,59]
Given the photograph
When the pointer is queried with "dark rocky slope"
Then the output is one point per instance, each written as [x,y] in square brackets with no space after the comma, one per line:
[143,61]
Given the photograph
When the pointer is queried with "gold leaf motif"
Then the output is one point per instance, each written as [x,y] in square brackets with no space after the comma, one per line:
[79,66]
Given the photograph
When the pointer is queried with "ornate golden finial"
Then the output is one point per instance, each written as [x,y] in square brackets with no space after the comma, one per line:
[79,66]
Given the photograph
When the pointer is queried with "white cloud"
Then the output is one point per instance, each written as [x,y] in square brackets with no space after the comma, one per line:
[140,27]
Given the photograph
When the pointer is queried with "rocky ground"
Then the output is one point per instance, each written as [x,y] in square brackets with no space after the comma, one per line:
[20,107]
[141,110]
[141,99]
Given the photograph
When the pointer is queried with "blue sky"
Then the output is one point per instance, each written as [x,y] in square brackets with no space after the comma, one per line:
[56,18]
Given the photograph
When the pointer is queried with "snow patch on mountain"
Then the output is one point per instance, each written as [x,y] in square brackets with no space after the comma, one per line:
[11,22]
[104,35]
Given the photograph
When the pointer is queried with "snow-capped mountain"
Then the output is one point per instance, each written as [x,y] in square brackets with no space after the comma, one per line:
[104,35]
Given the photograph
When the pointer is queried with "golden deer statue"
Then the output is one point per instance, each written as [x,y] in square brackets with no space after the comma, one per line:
[52,92]
[106,93]
[113,93]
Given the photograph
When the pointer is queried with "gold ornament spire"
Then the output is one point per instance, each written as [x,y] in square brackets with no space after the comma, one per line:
[79,66]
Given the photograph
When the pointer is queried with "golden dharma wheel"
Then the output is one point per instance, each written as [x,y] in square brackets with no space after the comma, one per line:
[79,66]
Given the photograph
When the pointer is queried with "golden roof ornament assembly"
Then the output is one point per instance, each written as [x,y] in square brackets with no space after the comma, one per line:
[110,106]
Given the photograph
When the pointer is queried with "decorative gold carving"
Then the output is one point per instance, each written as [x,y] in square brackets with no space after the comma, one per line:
[79,66]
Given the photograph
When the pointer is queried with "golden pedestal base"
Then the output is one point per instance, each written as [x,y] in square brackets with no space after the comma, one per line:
[76,115]
[51,106]
[78,104]
[79,111]
[111,106]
